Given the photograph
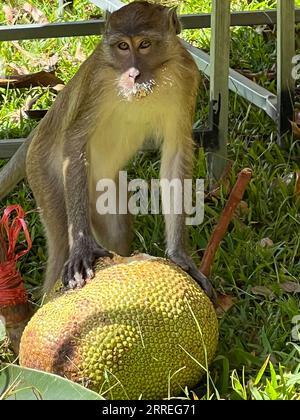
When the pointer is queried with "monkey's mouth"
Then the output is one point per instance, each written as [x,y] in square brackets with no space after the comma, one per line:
[138,90]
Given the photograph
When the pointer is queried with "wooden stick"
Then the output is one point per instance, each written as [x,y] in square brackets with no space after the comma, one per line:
[220,230]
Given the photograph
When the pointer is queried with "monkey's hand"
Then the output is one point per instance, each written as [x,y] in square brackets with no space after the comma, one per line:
[187,264]
[80,265]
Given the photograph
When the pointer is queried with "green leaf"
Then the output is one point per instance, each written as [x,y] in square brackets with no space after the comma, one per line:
[271,392]
[294,379]
[18,383]
[256,394]
[261,371]
[274,381]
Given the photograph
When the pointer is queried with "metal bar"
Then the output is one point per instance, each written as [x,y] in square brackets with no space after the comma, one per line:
[9,147]
[260,17]
[108,5]
[94,27]
[219,73]
[285,54]
[239,84]
[51,30]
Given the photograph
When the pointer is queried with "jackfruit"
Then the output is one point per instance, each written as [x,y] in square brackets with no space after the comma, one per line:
[142,328]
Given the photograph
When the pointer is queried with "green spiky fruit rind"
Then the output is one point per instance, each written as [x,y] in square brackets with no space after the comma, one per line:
[138,329]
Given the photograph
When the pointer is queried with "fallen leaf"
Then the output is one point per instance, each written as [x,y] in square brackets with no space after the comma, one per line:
[290,287]
[17,69]
[36,14]
[79,54]
[263,291]
[58,87]
[224,303]
[41,78]
[295,129]
[266,243]
[53,60]
[10,14]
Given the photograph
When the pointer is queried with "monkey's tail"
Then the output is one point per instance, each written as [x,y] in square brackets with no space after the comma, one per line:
[15,170]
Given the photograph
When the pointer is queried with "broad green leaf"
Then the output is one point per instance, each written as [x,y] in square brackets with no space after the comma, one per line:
[18,383]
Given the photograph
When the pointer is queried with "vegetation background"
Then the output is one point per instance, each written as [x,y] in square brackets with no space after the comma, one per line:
[258,264]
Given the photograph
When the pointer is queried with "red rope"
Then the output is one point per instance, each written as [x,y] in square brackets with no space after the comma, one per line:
[12,289]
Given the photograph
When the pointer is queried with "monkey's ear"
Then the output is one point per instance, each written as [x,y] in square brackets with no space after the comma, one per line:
[107,22]
[173,20]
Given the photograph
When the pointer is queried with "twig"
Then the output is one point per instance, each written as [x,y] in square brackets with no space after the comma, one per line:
[235,197]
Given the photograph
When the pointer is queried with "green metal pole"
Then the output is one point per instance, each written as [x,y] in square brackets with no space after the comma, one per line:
[219,71]
[285,54]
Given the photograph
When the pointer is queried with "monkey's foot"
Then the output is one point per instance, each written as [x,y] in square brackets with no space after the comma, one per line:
[80,265]
[187,264]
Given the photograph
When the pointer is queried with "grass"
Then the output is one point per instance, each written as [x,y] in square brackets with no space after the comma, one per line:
[256,357]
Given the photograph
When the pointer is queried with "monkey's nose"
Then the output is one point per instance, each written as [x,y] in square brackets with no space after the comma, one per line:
[133,73]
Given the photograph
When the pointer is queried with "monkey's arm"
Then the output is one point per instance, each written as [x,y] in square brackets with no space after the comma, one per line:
[83,249]
[177,163]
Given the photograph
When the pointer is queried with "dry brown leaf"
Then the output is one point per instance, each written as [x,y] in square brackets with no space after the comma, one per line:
[36,14]
[10,13]
[41,78]
[266,243]
[290,287]
[58,88]
[263,291]
[224,303]
[295,129]
[79,54]
[53,60]
[17,69]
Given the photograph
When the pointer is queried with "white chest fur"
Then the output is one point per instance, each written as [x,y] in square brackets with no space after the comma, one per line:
[122,128]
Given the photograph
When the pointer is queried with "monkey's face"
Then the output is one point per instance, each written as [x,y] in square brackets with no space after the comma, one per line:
[138,42]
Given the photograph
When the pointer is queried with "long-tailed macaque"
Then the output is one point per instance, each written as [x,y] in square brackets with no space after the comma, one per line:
[139,83]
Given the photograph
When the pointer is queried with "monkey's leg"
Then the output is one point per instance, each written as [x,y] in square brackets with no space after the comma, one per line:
[83,248]
[57,244]
[176,164]
[49,197]
[114,232]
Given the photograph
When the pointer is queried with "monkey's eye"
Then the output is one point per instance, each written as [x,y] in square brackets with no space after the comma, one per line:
[123,46]
[145,44]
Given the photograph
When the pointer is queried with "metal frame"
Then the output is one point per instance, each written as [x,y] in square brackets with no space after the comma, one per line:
[285,54]
[279,108]
[219,74]
[95,26]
